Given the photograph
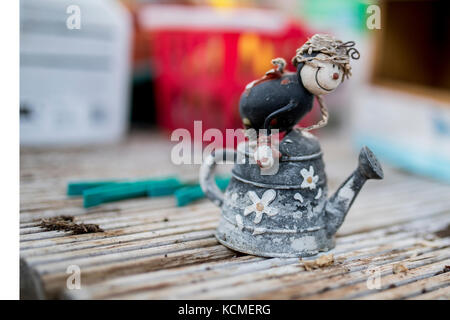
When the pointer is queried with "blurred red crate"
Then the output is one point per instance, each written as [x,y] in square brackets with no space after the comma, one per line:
[203,58]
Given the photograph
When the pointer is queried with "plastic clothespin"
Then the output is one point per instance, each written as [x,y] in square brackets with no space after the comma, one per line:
[77,188]
[118,191]
[164,187]
[97,192]
[130,189]
[189,194]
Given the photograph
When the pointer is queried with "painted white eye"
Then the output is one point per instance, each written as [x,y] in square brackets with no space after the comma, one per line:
[321,78]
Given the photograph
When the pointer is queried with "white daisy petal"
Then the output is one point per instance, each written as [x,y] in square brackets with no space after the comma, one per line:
[253,196]
[270,211]
[268,196]
[304,173]
[258,217]
[249,209]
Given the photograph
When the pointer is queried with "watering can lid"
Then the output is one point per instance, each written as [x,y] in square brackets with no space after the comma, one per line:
[299,144]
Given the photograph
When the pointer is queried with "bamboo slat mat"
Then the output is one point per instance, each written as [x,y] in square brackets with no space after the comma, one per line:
[153,250]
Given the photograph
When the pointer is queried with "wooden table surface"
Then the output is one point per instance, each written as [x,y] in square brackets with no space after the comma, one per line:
[394,243]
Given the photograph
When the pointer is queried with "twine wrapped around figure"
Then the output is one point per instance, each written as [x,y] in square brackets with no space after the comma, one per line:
[337,52]
[280,64]
[324,121]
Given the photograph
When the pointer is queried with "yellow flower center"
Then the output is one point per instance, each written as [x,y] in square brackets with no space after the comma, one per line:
[309,179]
[259,206]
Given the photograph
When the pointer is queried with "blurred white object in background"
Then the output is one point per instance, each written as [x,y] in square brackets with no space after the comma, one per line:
[403,111]
[408,130]
[73,82]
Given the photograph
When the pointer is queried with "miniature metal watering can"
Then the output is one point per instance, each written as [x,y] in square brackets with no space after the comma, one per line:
[286,214]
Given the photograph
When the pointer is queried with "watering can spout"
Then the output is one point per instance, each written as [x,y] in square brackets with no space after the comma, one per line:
[338,205]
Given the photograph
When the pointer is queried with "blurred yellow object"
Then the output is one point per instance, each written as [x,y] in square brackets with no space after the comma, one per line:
[223,3]
[255,52]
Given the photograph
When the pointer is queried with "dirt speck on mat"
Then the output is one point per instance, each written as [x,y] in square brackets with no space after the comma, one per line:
[65,223]
[399,268]
[320,262]
[444,233]
[444,270]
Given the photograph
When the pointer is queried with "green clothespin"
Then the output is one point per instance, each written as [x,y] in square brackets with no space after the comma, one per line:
[118,191]
[130,189]
[98,192]
[164,187]
[189,194]
[77,188]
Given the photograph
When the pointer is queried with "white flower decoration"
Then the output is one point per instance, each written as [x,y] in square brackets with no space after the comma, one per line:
[239,222]
[298,197]
[309,179]
[257,231]
[319,194]
[261,206]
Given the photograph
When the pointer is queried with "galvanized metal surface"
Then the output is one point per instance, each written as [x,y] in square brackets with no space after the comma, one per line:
[152,250]
[286,214]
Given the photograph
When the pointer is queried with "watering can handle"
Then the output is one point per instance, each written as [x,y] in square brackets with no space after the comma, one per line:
[207,181]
